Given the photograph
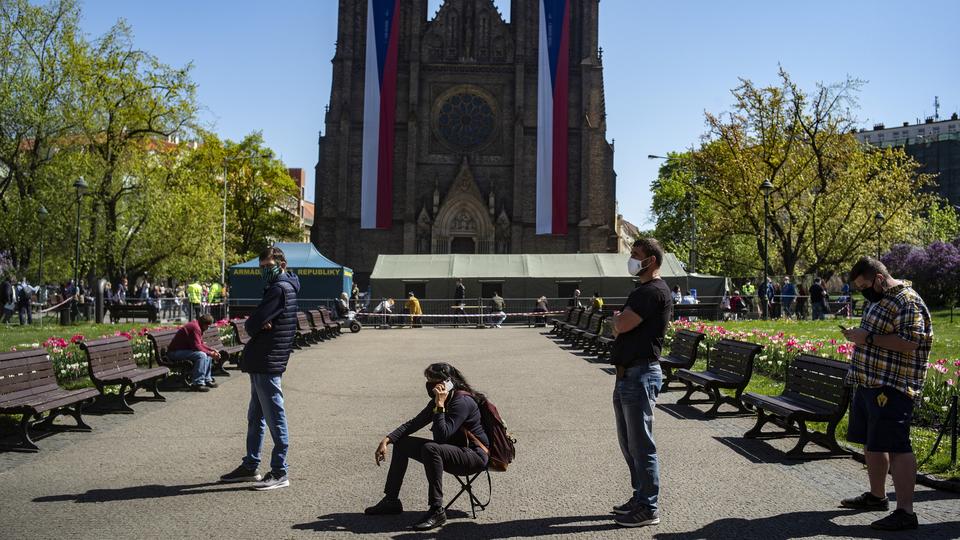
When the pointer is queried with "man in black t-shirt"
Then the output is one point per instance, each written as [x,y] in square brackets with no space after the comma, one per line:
[640,328]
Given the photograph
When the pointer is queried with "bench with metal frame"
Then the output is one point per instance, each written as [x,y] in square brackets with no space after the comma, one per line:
[729,366]
[134,311]
[579,335]
[814,392]
[110,362]
[28,387]
[684,346]
[560,321]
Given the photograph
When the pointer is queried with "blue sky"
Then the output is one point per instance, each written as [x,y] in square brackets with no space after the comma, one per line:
[266,65]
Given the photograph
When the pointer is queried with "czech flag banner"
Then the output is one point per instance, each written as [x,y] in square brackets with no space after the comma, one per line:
[553,85]
[379,114]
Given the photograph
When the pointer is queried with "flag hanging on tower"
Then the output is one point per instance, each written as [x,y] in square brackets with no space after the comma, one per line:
[379,114]
[553,87]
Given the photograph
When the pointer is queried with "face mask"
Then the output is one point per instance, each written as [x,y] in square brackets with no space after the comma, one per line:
[871,294]
[634,268]
[270,273]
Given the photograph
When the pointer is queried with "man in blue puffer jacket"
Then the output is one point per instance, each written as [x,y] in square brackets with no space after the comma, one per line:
[272,328]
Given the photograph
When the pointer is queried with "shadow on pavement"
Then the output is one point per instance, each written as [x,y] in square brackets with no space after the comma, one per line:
[806,525]
[150,491]
[358,523]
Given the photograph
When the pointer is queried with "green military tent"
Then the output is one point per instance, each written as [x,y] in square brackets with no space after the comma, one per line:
[524,275]
[321,280]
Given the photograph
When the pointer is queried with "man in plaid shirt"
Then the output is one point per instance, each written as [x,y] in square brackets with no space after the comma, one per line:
[887,369]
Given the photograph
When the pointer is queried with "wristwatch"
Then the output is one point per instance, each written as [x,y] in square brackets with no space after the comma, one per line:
[438,410]
[870,338]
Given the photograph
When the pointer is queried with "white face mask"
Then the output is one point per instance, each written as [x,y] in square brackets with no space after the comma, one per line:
[634,268]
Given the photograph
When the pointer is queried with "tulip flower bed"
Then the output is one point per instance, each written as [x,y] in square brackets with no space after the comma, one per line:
[781,346]
[69,362]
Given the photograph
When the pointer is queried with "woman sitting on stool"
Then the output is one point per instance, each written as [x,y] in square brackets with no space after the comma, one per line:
[452,414]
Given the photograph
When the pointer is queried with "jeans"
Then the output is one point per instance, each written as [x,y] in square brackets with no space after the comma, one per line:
[787,307]
[818,311]
[436,459]
[202,364]
[498,317]
[24,312]
[266,410]
[634,398]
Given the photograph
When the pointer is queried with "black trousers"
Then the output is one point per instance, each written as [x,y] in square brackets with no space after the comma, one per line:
[436,459]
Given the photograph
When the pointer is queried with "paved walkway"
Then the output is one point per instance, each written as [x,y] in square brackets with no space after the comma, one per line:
[153,474]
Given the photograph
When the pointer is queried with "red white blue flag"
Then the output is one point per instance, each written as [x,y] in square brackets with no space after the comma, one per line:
[553,87]
[379,114]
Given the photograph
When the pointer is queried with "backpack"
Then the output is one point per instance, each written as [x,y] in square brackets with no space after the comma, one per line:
[501,451]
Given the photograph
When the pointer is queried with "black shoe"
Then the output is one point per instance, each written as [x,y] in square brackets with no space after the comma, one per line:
[639,518]
[197,388]
[241,474]
[625,508]
[431,520]
[866,501]
[272,480]
[212,384]
[386,506]
[899,520]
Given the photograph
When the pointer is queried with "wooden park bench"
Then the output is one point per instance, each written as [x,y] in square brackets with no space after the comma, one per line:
[160,339]
[574,322]
[602,344]
[228,353]
[560,321]
[814,392]
[110,361]
[316,322]
[133,311]
[28,387]
[684,346]
[333,325]
[729,366]
[306,334]
[709,312]
[240,334]
[578,336]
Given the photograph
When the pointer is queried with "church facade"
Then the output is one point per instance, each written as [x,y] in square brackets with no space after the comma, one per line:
[465,146]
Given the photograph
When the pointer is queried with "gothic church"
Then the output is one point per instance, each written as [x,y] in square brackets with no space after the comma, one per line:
[465,137]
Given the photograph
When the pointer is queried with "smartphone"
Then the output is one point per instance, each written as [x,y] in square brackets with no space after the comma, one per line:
[448,384]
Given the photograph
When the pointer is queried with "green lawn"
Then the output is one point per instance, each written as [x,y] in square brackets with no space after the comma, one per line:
[946,342]
[946,345]
[18,336]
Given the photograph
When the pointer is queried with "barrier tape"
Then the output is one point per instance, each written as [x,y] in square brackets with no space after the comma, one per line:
[464,315]
[67,301]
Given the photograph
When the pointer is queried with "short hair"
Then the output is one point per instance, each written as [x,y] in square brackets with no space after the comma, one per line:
[410,293]
[868,267]
[275,253]
[206,319]
[651,248]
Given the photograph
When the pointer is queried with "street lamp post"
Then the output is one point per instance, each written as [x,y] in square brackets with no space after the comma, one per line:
[223,258]
[692,199]
[766,187]
[42,215]
[878,218]
[81,186]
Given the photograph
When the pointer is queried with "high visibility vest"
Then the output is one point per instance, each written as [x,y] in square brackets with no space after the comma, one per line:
[216,291]
[194,293]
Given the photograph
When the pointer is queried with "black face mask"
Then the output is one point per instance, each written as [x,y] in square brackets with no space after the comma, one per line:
[871,294]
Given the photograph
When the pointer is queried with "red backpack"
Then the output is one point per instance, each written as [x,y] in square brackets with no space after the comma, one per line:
[501,451]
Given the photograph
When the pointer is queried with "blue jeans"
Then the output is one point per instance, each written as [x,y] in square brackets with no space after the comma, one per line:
[787,307]
[202,365]
[266,410]
[634,398]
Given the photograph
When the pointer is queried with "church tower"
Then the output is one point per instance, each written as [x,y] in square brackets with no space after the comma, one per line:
[465,136]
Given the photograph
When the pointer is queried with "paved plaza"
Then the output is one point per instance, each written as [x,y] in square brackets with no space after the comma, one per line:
[154,473]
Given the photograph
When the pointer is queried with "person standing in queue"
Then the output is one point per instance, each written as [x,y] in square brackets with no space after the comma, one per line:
[272,328]
[639,329]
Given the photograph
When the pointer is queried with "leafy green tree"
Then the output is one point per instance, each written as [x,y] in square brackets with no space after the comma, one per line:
[827,187]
